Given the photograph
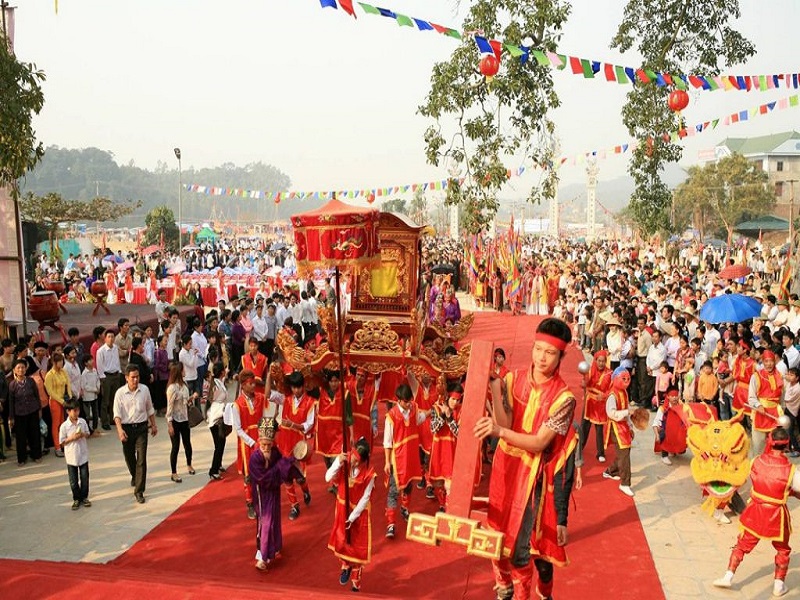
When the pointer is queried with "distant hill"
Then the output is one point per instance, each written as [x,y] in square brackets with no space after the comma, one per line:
[82,174]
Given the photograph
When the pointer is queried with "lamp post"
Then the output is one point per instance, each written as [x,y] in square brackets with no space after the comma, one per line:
[180,201]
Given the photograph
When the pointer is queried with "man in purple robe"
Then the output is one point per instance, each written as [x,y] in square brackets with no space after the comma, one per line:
[268,470]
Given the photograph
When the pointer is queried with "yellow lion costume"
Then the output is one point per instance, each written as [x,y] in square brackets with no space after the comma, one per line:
[720,465]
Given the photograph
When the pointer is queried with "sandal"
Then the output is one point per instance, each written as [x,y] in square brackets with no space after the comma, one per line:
[191,470]
[261,565]
[176,478]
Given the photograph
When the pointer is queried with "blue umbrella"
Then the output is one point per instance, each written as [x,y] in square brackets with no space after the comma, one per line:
[730,308]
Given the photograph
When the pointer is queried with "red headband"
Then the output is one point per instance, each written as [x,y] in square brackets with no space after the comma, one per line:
[456,395]
[558,343]
[768,354]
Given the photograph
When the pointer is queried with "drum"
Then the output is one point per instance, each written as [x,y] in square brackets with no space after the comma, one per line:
[57,287]
[99,289]
[44,307]
[301,450]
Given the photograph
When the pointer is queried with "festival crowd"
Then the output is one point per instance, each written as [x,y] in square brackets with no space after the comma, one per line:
[634,308]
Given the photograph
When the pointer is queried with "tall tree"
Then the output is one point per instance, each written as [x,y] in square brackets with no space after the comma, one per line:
[723,194]
[21,98]
[161,221]
[397,205]
[495,120]
[50,211]
[419,207]
[690,36]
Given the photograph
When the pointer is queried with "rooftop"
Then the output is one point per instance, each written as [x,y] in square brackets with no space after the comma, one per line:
[759,145]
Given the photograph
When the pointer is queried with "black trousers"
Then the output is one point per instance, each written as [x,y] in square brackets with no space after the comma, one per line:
[79,481]
[180,431]
[219,448]
[135,451]
[109,386]
[586,425]
[29,438]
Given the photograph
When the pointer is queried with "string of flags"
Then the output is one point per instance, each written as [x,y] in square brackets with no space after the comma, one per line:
[370,194]
[588,68]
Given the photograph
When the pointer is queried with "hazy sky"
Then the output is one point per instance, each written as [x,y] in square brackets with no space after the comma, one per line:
[329,100]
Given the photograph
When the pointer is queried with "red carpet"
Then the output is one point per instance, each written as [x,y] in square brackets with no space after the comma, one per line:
[206,547]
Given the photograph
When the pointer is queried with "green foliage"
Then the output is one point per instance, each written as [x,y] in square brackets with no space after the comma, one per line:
[688,36]
[397,205]
[160,220]
[21,97]
[418,210]
[723,194]
[494,120]
[51,210]
[88,172]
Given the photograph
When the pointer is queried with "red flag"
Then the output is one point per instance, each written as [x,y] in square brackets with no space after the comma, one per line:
[497,48]
[347,6]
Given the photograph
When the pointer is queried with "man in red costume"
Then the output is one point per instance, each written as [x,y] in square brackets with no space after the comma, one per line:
[426,394]
[401,449]
[257,363]
[361,398]
[534,424]
[356,552]
[249,409]
[297,424]
[620,429]
[444,427]
[598,383]
[330,442]
[766,516]
[764,400]
[741,373]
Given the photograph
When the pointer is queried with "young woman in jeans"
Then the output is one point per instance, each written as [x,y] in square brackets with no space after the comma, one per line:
[178,400]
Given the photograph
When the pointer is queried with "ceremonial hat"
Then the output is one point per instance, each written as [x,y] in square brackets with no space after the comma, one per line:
[267,428]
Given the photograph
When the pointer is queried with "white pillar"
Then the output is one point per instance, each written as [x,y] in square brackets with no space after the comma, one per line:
[454,222]
[591,201]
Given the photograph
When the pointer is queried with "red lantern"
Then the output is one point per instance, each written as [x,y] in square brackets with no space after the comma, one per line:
[277,199]
[371,198]
[489,65]
[678,100]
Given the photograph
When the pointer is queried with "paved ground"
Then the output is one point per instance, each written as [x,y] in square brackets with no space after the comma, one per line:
[690,548]
[36,520]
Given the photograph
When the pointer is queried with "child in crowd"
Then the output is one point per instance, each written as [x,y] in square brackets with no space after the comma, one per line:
[90,384]
[670,428]
[72,436]
[689,380]
[791,399]
[707,385]
[664,380]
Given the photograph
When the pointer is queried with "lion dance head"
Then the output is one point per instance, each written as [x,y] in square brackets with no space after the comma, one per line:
[720,465]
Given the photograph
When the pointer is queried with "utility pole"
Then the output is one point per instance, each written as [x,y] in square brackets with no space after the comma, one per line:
[790,254]
[591,201]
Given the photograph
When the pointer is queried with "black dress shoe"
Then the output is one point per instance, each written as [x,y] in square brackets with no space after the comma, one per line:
[251,512]
[307,498]
[107,427]
[344,576]
[133,482]
[139,497]
[294,512]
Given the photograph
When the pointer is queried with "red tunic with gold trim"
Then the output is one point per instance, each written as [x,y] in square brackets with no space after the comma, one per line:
[515,472]
[258,366]
[443,451]
[742,371]
[249,420]
[766,515]
[329,424]
[359,550]
[405,446]
[769,385]
[597,388]
[621,430]
[287,438]
[673,429]
[425,399]
[361,404]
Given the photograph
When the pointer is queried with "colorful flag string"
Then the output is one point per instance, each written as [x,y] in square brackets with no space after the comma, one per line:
[370,194]
[588,68]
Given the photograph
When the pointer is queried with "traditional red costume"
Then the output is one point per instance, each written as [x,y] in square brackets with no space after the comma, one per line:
[766,516]
[769,386]
[425,398]
[287,438]
[672,435]
[742,371]
[359,550]
[598,384]
[621,430]
[516,473]
[405,446]
[361,404]
[249,418]
[443,453]
[329,424]
[258,366]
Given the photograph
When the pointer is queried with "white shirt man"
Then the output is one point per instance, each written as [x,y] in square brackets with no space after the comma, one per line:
[656,355]
[259,324]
